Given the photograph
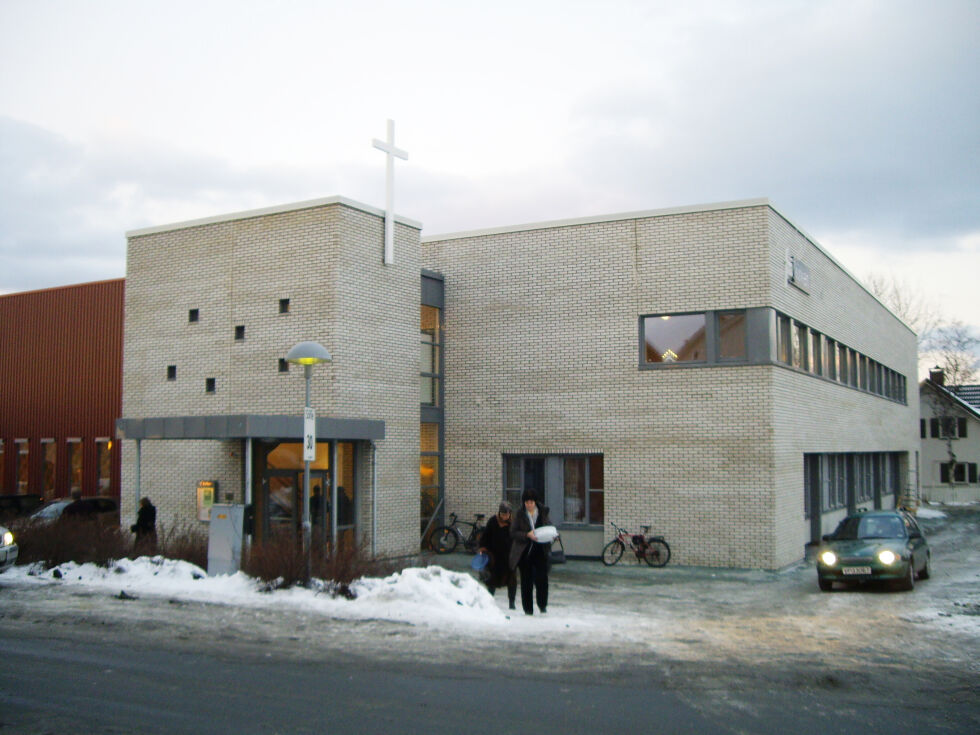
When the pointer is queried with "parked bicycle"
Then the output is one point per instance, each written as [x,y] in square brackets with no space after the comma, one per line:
[445,539]
[654,550]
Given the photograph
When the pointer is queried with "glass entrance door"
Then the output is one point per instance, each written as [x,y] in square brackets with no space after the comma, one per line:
[282,503]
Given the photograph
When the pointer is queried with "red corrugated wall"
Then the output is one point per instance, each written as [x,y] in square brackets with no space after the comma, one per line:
[61,377]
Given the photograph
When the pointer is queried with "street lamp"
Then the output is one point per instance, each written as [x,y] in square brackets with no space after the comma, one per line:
[308,354]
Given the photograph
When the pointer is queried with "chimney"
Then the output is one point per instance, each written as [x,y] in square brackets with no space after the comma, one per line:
[937,376]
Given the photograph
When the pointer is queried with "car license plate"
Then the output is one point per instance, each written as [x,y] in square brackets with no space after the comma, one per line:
[856,570]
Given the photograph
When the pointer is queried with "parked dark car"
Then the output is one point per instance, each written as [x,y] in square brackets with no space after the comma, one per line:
[100,508]
[8,549]
[15,506]
[871,546]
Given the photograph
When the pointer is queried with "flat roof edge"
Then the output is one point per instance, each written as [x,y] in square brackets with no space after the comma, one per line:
[575,221]
[265,211]
[245,426]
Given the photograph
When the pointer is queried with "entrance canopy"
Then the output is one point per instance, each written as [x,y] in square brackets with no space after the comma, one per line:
[246,426]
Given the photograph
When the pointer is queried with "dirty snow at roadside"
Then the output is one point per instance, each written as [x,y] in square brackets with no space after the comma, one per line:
[419,596]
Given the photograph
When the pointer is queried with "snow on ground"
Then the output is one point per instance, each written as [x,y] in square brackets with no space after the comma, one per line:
[418,595]
[686,612]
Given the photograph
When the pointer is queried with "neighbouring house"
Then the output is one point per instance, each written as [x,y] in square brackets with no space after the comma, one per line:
[949,429]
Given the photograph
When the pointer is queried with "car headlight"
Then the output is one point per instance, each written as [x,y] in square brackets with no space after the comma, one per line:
[829,558]
[8,538]
[887,557]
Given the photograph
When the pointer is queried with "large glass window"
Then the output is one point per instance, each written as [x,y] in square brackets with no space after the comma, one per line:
[784,350]
[816,352]
[800,357]
[74,464]
[578,478]
[731,335]
[50,453]
[23,465]
[103,453]
[430,362]
[429,460]
[675,338]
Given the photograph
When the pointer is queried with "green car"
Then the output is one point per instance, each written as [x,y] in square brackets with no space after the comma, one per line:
[871,546]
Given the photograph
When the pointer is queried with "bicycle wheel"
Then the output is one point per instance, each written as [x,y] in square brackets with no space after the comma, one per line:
[613,552]
[658,552]
[443,540]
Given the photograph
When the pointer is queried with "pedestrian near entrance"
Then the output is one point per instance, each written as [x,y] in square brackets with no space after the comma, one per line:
[145,527]
[495,541]
[530,556]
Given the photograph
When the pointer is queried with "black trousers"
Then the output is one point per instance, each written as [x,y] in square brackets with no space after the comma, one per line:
[534,578]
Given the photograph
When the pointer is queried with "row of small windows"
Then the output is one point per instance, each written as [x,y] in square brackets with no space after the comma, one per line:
[847,479]
[194,316]
[211,384]
[806,349]
[947,427]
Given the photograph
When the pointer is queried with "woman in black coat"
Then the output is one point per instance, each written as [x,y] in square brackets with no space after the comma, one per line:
[495,542]
[530,556]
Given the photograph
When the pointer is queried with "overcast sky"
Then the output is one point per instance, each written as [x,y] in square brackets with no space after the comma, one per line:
[858,119]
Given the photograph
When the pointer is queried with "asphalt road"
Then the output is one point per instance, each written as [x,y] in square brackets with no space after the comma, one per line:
[684,651]
[52,684]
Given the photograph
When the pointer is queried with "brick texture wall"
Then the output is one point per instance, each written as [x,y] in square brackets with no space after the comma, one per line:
[542,356]
[327,260]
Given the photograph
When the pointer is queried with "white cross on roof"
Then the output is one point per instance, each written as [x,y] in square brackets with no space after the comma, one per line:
[391,153]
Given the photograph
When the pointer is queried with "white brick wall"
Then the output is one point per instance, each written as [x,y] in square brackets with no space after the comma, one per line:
[327,260]
[542,351]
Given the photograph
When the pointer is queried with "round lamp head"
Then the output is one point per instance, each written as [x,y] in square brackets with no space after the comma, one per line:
[308,353]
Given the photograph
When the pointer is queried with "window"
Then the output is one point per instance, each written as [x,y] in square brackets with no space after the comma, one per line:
[194,315]
[578,478]
[23,465]
[675,338]
[283,365]
[283,306]
[784,350]
[845,480]
[961,472]
[841,363]
[103,453]
[731,335]
[240,332]
[816,353]
[430,458]
[947,427]
[430,356]
[75,463]
[830,364]
[171,372]
[49,456]
[210,385]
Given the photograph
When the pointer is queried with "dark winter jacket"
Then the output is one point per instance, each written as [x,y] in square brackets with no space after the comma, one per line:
[496,540]
[519,529]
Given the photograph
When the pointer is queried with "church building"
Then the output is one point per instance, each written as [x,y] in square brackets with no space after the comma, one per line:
[709,371]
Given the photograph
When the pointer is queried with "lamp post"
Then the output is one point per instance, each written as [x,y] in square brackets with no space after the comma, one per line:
[308,354]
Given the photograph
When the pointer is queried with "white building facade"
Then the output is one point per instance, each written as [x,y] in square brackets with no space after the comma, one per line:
[710,371]
[950,433]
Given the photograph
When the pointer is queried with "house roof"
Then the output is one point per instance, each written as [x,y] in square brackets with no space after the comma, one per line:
[953,398]
[970,394]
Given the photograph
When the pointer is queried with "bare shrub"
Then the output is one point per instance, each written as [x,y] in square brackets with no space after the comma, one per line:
[280,562]
[82,541]
[181,541]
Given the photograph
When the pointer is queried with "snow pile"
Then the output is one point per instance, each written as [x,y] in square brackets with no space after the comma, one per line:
[419,596]
[924,512]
